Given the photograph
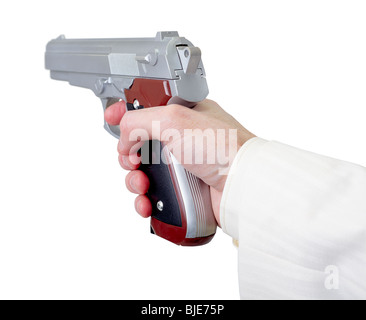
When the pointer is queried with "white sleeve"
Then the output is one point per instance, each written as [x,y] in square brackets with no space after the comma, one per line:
[300,219]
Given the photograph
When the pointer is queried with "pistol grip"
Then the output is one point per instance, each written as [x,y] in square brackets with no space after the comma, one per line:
[181,204]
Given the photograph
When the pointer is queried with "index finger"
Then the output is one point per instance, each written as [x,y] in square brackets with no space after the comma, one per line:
[114,113]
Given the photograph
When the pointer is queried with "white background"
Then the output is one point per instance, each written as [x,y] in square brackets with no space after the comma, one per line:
[293,71]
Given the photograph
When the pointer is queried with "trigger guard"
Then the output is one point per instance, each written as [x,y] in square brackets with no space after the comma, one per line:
[113,130]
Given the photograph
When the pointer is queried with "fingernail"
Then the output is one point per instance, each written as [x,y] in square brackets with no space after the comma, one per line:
[138,205]
[125,162]
[132,183]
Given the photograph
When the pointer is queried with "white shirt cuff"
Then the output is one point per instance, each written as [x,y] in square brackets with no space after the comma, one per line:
[230,207]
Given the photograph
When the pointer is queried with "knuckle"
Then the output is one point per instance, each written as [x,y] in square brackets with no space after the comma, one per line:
[175,112]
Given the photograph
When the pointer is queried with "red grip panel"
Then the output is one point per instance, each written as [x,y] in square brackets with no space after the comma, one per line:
[149,92]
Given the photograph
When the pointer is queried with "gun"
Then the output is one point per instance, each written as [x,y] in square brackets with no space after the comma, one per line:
[147,72]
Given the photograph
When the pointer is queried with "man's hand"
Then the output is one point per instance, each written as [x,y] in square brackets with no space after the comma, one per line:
[177,123]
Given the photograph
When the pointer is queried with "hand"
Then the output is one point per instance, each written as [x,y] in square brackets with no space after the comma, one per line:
[206,117]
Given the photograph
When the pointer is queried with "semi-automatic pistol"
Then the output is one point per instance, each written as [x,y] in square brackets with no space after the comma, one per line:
[147,72]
